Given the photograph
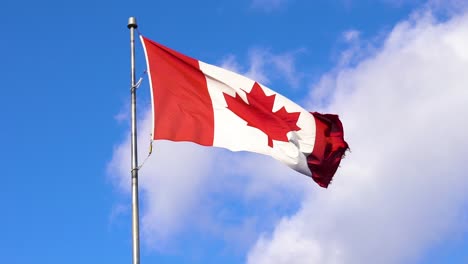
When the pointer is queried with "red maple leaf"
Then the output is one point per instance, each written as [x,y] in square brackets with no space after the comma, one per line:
[258,113]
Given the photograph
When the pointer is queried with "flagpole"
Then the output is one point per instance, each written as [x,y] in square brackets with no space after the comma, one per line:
[132,25]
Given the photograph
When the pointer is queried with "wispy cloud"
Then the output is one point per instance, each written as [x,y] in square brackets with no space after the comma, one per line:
[266,66]
[351,35]
[122,115]
[117,211]
[230,63]
[402,188]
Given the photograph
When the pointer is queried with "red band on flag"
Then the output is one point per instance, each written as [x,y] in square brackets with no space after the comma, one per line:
[182,106]
[329,148]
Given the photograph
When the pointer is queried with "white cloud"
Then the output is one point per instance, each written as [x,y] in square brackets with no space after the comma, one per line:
[230,63]
[403,187]
[258,64]
[264,63]
[285,64]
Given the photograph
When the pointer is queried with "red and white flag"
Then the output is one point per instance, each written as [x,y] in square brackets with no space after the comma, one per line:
[201,103]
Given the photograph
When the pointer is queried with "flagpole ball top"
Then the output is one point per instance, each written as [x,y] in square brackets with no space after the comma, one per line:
[132,22]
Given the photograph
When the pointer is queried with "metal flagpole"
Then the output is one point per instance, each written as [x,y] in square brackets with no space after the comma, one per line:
[132,25]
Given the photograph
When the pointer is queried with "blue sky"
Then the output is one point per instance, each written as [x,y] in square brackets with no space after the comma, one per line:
[392,69]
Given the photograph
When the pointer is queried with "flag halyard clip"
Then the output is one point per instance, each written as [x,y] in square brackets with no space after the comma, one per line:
[137,84]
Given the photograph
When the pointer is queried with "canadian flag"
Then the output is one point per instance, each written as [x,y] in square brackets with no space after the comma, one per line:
[208,105]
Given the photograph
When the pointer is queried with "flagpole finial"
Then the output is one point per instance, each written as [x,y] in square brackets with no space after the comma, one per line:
[132,22]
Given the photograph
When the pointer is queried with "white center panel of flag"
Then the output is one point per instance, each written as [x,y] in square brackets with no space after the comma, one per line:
[232,132]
